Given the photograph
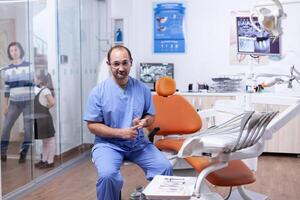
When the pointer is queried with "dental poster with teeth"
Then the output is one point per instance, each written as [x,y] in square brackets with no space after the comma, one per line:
[169,28]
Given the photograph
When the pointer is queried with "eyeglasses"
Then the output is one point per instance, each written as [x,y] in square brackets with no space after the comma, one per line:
[117,64]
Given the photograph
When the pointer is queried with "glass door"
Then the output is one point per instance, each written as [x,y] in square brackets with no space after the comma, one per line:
[83,43]
[69,78]
[65,57]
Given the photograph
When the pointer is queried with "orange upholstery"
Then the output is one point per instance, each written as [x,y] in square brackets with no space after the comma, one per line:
[198,163]
[175,115]
[165,87]
[235,174]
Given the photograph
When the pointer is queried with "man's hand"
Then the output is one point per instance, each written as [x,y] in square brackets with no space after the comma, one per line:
[129,133]
[141,123]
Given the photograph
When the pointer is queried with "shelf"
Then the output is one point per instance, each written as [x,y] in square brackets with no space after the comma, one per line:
[118,31]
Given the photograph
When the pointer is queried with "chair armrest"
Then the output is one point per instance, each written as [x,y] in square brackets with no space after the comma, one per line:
[153,133]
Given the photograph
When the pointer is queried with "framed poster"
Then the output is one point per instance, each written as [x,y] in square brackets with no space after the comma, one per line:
[169,28]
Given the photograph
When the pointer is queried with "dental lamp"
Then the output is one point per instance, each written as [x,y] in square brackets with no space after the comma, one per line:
[268,19]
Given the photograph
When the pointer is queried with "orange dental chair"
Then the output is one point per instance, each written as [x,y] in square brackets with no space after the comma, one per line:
[175,120]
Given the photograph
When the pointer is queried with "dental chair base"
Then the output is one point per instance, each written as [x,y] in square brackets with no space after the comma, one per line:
[235,195]
[208,196]
[240,192]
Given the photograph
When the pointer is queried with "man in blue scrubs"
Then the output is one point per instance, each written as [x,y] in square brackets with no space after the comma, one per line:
[117,111]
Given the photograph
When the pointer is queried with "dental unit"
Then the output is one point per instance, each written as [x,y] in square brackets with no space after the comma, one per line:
[239,138]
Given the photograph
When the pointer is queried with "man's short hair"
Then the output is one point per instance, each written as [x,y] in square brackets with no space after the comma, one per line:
[118,47]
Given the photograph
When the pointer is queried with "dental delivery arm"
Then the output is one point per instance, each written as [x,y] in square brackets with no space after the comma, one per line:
[218,140]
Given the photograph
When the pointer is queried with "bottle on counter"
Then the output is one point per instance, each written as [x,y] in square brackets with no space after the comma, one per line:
[250,84]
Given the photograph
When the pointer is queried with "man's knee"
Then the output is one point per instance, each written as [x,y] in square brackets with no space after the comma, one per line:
[109,176]
[164,167]
[168,168]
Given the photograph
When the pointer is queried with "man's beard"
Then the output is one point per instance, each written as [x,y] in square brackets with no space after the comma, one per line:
[121,75]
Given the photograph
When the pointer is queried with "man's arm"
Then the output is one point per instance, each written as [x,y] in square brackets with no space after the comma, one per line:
[102,130]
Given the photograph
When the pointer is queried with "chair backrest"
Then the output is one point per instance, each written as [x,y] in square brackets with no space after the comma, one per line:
[174,114]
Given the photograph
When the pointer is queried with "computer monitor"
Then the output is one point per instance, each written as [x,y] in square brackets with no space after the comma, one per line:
[151,72]
[252,41]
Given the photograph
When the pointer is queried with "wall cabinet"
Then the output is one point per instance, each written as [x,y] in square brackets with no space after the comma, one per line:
[118,31]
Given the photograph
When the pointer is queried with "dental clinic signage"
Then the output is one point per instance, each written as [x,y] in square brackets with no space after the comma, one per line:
[169,28]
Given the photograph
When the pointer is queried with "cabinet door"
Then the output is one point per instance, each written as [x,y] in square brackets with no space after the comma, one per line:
[287,139]
[205,102]
[209,101]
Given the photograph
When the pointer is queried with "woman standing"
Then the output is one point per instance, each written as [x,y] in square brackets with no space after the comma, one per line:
[18,96]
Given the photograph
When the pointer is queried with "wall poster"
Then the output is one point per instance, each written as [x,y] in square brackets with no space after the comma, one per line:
[169,28]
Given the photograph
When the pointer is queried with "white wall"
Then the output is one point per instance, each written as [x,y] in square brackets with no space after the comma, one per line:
[207,39]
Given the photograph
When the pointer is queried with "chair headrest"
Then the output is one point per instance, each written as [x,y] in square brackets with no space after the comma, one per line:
[165,86]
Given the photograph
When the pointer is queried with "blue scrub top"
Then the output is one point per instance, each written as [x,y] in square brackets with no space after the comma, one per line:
[115,107]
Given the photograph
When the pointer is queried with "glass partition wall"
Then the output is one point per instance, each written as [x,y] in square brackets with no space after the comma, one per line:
[64,41]
[16,102]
